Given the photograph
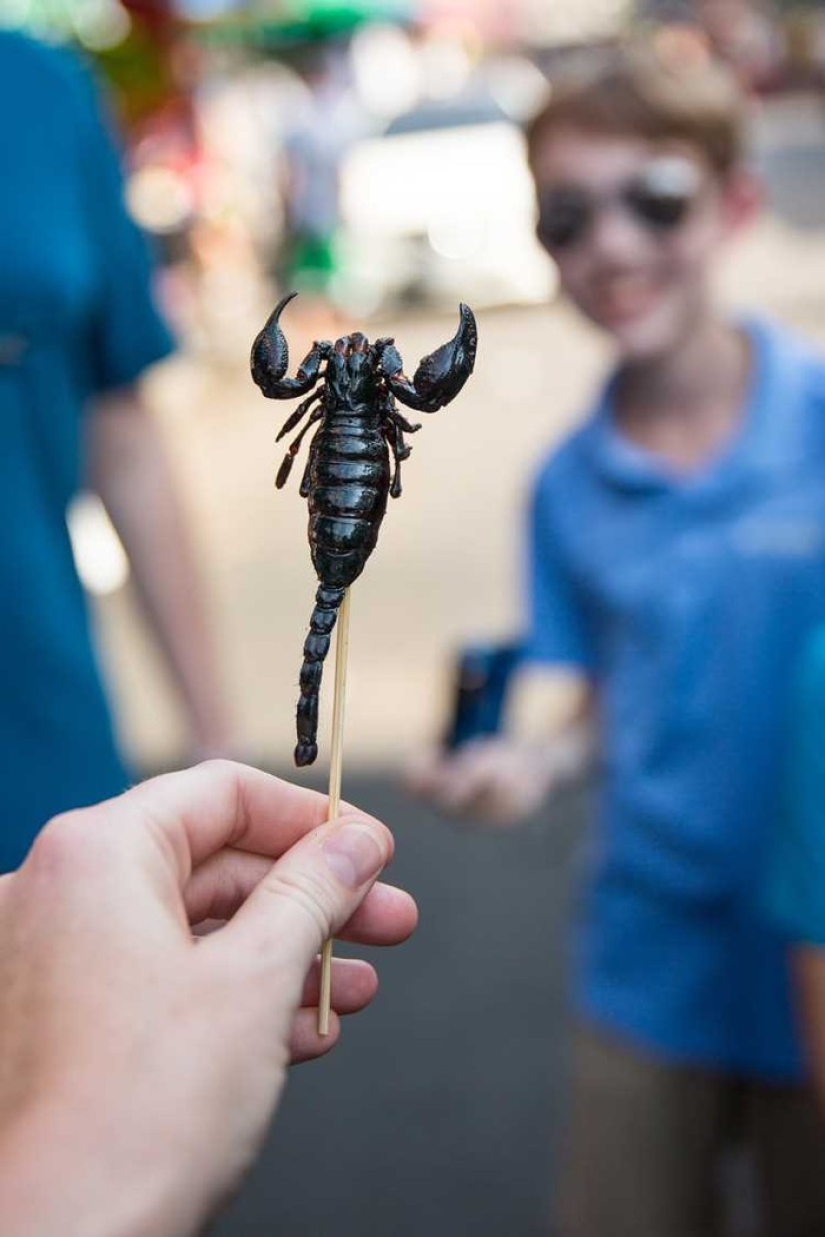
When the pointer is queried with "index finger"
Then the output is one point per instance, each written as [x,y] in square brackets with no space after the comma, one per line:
[200,811]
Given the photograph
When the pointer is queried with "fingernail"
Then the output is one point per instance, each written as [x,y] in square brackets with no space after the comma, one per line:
[354,854]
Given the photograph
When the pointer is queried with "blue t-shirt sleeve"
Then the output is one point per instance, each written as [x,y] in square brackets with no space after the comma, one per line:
[557,628]
[796,868]
[127,332]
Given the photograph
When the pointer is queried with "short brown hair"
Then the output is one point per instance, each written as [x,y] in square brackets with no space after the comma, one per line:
[635,92]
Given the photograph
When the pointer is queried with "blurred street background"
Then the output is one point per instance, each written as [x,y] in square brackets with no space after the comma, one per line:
[371,156]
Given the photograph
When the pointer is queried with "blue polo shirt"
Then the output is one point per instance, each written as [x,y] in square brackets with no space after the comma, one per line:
[76,318]
[687,601]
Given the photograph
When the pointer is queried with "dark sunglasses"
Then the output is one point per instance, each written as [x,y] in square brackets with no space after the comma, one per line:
[660,197]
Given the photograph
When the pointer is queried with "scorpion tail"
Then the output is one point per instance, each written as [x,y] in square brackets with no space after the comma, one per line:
[316,646]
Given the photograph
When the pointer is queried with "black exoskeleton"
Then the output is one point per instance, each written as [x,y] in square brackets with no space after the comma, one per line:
[347,477]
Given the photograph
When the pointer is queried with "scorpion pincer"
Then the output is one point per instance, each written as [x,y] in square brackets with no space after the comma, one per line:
[347,477]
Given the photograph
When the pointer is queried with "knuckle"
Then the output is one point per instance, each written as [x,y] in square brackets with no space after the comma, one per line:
[63,841]
[221,767]
[308,894]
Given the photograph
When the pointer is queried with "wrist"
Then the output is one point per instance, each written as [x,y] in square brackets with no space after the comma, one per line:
[64,1171]
[541,757]
[553,761]
[570,755]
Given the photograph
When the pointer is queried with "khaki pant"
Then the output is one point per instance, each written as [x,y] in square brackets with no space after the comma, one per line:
[647,1146]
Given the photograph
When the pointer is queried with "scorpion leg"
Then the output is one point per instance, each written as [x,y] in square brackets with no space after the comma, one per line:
[270,358]
[440,375]
[305,480]
[401,421]
[293,420]
[395,437]
[400,451]
[294,447]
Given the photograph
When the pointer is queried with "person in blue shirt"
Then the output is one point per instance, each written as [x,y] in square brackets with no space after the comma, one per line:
[78,327]
[795,868]
[676,564]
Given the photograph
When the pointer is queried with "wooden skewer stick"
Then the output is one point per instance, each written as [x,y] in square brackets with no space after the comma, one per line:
[335,772]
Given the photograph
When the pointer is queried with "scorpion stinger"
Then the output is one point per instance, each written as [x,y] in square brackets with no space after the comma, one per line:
[440,375]
[270,358]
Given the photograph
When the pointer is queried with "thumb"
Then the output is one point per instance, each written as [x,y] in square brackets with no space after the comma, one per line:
[310,893]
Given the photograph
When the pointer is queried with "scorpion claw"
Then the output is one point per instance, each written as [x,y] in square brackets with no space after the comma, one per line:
[440,375]
[270,353]
[270,358]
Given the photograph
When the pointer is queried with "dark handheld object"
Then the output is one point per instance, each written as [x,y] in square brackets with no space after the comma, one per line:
[347,476]
[480,686]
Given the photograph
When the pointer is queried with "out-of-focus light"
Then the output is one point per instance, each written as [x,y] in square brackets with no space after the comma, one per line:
[577,21]
[682,45]
[202,10]
[398,185]
[101,24]
[159,199]
[99,556]
[456,238]
[14,12]
[385,70]
[446,67]
[518,87]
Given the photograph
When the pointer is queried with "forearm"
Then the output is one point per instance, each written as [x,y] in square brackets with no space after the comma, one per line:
[129,469]
[572,753]
[551,708]
[60,1175]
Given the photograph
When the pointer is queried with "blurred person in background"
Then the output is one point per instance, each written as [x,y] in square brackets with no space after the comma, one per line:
[676,564]
[78,327]
[315,142]
[141,1067]
[742,34]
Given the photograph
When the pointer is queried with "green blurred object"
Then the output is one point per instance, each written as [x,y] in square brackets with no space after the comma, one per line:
[309,262]
[140,75]
[259,22]
[300,24]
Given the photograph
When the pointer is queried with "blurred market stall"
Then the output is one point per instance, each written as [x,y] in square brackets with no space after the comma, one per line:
[366,152]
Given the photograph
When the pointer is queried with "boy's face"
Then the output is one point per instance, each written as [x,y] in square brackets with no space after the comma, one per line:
[634,227]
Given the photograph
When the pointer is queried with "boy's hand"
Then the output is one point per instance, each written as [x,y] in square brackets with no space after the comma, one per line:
[500,780]
[139,1067]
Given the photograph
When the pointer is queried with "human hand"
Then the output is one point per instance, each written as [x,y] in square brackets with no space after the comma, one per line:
[499,780]
[139,1066]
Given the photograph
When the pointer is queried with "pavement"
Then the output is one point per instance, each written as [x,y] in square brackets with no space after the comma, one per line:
[438,1113]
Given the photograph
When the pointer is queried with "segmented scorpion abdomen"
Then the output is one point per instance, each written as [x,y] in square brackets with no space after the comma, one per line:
[349,474]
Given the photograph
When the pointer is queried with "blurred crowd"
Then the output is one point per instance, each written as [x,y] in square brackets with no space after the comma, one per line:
[668,641]
[235,165]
